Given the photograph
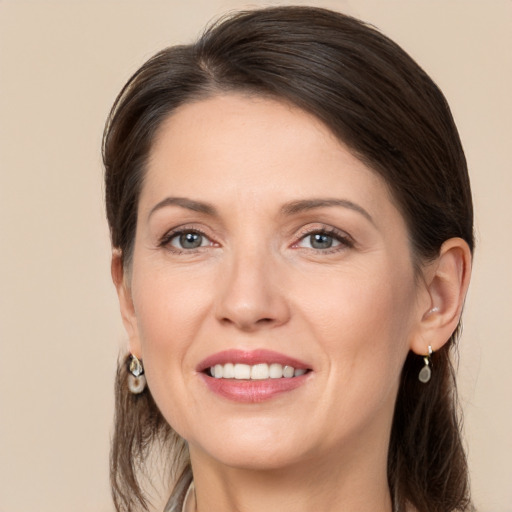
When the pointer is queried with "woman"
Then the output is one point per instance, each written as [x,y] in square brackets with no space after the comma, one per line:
[291,220]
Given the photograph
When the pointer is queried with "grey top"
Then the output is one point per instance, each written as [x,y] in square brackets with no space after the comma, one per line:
[179,493]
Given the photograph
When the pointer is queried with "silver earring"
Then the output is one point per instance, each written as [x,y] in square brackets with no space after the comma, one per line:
[136,378]
[426,371]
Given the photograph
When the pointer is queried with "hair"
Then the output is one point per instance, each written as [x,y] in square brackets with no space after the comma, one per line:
[392,116]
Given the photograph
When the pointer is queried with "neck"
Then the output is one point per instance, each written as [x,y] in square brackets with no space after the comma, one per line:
[328,485]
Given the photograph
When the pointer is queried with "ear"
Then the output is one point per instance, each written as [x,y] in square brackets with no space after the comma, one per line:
[446,282]
[122,284]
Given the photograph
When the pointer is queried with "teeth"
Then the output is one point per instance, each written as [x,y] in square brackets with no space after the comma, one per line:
[242,371]
[228,371]
[275,371]
[260,371]
[288,371]
[218,371]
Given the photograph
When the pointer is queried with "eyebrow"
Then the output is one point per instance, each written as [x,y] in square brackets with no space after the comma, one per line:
[288,209]
[183,202]
[310,204]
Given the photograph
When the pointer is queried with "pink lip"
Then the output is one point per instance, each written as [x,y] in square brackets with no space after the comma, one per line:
[250,357]
[251,391]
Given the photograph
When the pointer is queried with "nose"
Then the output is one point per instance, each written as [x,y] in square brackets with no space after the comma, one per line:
[252,293]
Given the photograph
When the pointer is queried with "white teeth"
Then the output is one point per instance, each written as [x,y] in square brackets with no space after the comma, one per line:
[242,371]
[288,371]
[275,371]
[229,371]
[260,371]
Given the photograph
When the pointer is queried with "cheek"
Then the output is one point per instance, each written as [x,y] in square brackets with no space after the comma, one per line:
[363,320]
[170,308]
[167,302]
[362,329]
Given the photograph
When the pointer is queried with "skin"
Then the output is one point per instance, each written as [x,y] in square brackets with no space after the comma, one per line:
[352,311]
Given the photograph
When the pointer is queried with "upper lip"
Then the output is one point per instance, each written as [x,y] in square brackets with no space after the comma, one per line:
[250,357]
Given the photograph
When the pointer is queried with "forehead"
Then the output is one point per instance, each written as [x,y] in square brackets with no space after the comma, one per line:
[233,145]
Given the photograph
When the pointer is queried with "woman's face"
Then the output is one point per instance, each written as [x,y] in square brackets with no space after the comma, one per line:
[263,246]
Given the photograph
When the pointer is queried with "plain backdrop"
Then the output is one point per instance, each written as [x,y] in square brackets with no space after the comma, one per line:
[61,66]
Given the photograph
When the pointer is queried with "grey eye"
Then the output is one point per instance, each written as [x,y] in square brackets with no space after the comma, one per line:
[321,241]
[189,240]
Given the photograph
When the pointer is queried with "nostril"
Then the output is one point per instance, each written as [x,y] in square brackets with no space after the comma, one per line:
[248,324]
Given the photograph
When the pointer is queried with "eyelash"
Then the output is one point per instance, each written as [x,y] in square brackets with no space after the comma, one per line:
[165,241]
[345,240]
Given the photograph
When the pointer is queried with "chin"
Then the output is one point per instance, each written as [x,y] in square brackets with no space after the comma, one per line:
[256,451]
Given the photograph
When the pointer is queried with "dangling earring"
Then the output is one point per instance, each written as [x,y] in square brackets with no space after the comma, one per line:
[426,371]
[136,379]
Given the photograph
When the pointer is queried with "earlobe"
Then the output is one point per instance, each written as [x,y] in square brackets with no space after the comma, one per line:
[447,281]
[124,295]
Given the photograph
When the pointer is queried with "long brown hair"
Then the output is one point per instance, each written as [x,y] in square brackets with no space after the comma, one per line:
[393,117]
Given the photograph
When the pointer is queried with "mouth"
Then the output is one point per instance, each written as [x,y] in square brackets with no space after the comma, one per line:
[252,365]
[261,371]
[252,376]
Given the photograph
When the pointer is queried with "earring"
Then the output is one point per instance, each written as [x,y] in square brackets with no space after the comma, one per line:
[426,371]
[136,379]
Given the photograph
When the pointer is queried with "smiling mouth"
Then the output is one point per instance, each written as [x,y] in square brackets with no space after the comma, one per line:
[261,371]
[253,376]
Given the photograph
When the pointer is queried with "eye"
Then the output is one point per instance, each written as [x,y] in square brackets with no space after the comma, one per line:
[319,241]
[325,240]
[187,240]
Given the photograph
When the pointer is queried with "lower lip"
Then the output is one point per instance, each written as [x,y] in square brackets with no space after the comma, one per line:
[253,391]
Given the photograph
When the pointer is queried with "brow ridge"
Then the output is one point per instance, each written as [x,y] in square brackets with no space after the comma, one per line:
[291,208]
[303,205]
[183,202]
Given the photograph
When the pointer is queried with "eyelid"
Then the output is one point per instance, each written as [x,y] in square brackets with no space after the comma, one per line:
[345,239]
[165,239]
[340,235]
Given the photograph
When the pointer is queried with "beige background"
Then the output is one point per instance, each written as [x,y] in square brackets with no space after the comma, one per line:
[61,65]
